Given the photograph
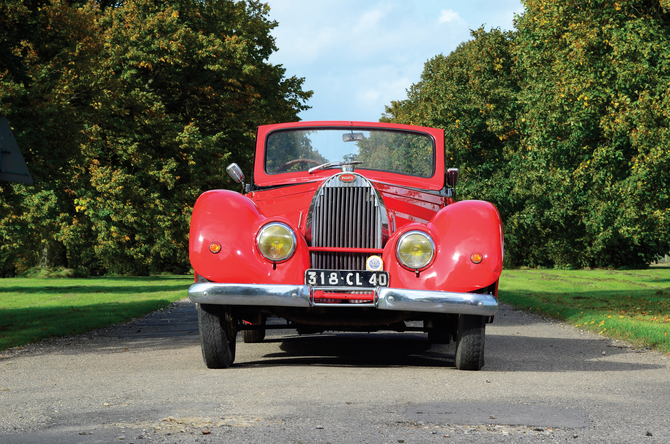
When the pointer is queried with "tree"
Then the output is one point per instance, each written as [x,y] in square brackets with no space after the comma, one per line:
[283,148]
[595,135]
[163,96]
[563,124]
[472,95]
[396,151]
[49,45]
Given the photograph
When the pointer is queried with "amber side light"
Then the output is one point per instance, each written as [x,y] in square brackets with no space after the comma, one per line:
[476,258]
[215,247]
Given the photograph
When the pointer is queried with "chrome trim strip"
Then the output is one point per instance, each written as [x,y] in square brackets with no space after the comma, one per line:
[347,289]
[302,296]
[441,193]
[250,294]
[436,301]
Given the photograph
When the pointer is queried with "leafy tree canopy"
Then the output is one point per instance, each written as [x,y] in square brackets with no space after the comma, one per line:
[564,124]
[126,112]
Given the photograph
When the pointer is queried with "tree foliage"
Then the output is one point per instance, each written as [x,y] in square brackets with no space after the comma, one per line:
[126,112]
[564,124]
[398,152]
[289,151]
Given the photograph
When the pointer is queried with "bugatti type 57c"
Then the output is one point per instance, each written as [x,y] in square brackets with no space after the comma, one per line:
[345,226]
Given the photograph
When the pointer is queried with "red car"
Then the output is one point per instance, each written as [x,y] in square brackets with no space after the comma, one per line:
[345,226]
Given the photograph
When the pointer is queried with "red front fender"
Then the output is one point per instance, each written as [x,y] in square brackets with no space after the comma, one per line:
[459,230]
[233,221]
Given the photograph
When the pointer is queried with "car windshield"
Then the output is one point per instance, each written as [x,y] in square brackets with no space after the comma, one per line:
[377,149]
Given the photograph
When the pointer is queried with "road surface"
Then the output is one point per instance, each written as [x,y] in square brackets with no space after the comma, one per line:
[145,381]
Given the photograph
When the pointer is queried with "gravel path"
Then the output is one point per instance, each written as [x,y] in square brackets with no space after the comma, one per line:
[144,381]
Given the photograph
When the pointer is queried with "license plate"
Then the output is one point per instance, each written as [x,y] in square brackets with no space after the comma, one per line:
[346,278]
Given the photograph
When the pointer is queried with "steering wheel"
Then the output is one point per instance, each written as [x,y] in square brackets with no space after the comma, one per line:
[290,163]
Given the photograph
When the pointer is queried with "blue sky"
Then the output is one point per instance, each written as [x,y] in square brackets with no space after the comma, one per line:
[357,56]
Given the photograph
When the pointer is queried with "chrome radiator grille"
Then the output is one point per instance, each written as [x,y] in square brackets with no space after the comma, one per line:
[345,215]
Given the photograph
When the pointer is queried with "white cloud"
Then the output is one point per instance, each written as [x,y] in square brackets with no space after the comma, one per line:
[388,87]
[448,16]
[372,18]
[304,46]
[359,55]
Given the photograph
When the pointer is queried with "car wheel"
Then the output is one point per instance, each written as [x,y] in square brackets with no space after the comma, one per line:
[254,336]
[217,337]
[470,342]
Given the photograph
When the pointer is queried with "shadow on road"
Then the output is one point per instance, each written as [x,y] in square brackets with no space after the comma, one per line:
[357,349]
[512,345]
[503,353]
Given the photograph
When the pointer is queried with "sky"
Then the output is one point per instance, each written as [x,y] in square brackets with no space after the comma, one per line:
[358,56]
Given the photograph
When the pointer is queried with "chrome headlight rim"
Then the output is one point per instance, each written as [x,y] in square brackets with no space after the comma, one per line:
[290,231]
[402,238]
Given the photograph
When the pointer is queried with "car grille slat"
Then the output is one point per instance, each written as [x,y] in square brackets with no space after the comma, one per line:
[358,215]
[345,215]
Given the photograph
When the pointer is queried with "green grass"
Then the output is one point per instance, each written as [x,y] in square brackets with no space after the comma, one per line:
[34,309]
[633,305]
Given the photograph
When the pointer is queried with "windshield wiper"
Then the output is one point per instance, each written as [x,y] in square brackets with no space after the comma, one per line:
[332,164]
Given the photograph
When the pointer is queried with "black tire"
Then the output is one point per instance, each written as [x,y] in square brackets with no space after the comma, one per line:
[470,340]
[214,322]
[253,336]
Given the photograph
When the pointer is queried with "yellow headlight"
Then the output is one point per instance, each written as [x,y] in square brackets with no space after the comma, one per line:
[276,241]
[415,250]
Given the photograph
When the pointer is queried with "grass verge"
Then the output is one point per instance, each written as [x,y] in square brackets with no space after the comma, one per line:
[34,309]
[633,305]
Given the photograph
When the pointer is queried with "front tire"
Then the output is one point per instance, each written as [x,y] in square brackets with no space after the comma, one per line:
[255,336]
[217,336]
[470,338]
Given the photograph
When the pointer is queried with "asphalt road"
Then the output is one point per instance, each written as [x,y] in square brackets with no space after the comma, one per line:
[145,382]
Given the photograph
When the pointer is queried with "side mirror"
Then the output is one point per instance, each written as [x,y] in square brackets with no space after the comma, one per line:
[235,173]
[452,177]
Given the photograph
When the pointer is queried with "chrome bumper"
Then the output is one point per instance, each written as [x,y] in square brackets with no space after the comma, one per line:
[302,296]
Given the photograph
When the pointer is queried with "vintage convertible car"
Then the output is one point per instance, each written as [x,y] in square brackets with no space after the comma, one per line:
[345,226]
